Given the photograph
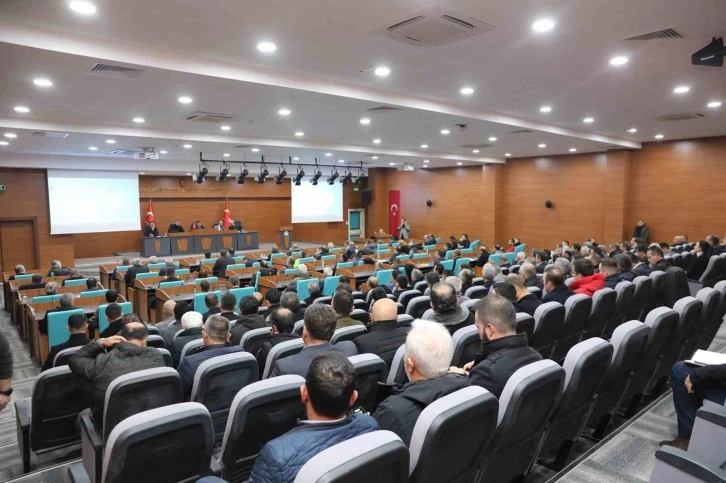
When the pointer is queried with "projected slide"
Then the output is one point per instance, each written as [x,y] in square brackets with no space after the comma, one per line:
[311,204]
[93,201]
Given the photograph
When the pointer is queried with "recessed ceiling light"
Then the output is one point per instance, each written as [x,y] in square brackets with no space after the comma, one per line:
[299,134]
[226,155]
[42,82]
[296,158]
[225,128]
[714,104]
[445,132]
[382,71]
[10,135]
[507,154]
[187,146]
[467,91]
[92,148]
[139,120]
[632,130]
[542,145]
[266,47]
[376,141]
[426,161]
[492,139]
[588,120]
[284,112]
[185,100]
[619,60]
[22,109]
[110,141]
[142,173]
[545,109]
[681,89]
[659,136]
[543,25]
[189,174]
[4,143]
[255,150]
[162,152]
[391,164]
[459,164]
[328,154]
[374,157]
[424,146]
[573,150]
[82,7]
[476,151]
[365,121]
[341,160]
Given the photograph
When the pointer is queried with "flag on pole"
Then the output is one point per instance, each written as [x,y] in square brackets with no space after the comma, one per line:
[226,217]
[150,213]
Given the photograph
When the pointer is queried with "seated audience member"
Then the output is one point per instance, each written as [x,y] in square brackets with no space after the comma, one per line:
[609,270]
[401,285]
[74,275]
[466,277]
[328,394]
[66,303]
[432,278]
[302,274]
[595,260]
[36,281]
[58,270]
[519,258]
[344,280]
[377,294]
[625,266]
[507,290]
[19,270]
[99,365]
[191,330]
[489,272]
[319,327]
[586,280]
[453,244]
[216,343]
[220,266]
[211,301]
[171,275]
[447,310]
[315,293]
[168,311]
[529,274]
[168,332]
[555,288]
[700,260]
[272,300]
[716,247]
[639,266]
[50,288]
[125,262]
[394,275]
[175,227]
[111,296]
[248,320]
[526,302]
[228,306]
[691,386]
[342,303]
[134,270]
[168,263]
[385,335]
[205,286]
[266,270]
[291,302]
[202,274]
[655,257]
[614,250]
[92,285]
[665,247]
[77,326]
[234,281]
[564,265]
[454,282]
[483,256]
[540,258]
[464,241]
[281,330]
[503,350]
[259,297]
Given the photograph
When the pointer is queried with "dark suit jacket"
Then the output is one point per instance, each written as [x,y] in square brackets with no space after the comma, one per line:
[149,232]
[528,304]
[31,285]
[132,272]
[75,340]
[662,265]
[642,270]
[540,267]
[559,294]
[267,346]
[383,339]
[175,229]
[535,281]
[212,311]
[698,266]
[220,266]
[162,270]
[300,362]
[172,279]
[499,359]
[112,329]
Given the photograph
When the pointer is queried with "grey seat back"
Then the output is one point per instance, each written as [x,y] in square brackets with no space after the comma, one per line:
[397,373]
[360,304]
[709,332]
[420,286]
[659,279]
[525,325]
[641,298]
[190,348]
[153,330]
[323,300]
[61,358]
[140,391]
[347,333]
[676,286]
[712,274]
[418,305]
[535,291]
[689,324]
[466,343]
[451,434]
[217,381]
[476,292]
[469,304]
[361,315]
[147,446]
[155,341]
[404,319]
[168,360]
[369,371]
[625,291]
[478,281]
[299,325]
[254,339]
[603,306]
[577,312]
[280,351]
[407,296]
[549,320]
[710,299]
[259,413]
[379,456]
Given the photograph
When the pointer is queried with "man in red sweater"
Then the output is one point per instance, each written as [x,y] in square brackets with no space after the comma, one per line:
[586,280]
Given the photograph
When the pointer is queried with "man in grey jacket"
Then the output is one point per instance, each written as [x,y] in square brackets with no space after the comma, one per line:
[447,310]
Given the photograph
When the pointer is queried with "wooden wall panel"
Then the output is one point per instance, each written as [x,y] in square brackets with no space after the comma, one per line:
[91,245]
[17,242]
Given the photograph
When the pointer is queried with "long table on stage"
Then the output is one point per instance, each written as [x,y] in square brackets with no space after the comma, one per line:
[198,241]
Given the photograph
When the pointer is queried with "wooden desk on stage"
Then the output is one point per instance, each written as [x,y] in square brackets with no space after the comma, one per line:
[158,246]
[199,241]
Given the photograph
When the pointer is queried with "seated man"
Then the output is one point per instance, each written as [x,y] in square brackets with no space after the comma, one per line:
[700,260]
[328,394]
[466,277]
[66,303]
[401,285]
[74,275]
[216,343]
[168,313]
[99,365]
[175,227]
[489,273]
[211,301]
[168,332]
[229,304]
[57,269]
[529,273]
[220,266]
[272,300]
[111,296]
[291,302]
[114,316]
[302,274]
[540,258]
[205,286]
[151,230]
[171,275]
[527,302]
[77,326]
[92,285]
[385,335]
[428,356]
[282,327]
[609,269]
[564,265]
[657,262]
[320,322]
[19,270]
[586,280]
[191,330]
[36,281]
[554,284]
[50,288]
[447,310]
[315,293]
[168,263]
[234,281]
[248,320]
[503,350]
[691,386]
[342,303]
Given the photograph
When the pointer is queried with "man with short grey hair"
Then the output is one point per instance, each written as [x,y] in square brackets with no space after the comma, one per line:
[488,273]
[529,273]
[74,275]
[50,288]
[134,270]
[66,303]
[315,293]
[153,259]
[429,350]
[564,265]
[57,269]
[447,310]
[168,263]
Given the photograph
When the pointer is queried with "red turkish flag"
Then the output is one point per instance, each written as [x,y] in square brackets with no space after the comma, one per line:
[394,211]
[226,217]
[150,213]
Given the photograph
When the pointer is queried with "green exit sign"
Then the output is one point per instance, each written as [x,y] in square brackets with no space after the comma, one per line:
[2,187]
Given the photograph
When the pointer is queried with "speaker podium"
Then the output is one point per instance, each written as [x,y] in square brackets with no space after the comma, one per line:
[284,237]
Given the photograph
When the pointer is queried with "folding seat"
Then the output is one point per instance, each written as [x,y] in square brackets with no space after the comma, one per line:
[369,371]
[662,322]
[577,312]
[360,315]
[687,258]
[384,277]
[259,413]
[360,304]
[603,306]
[404,319]
[48,421]
[164,444]
[298,327]
[218,380]
[280,351]
[536,291]
[397,373]
[641,298]
[569,281]
[358,295]
[625,291]
[478,281]
[190,348]
[525,325]
[659,278]
[628,343]
[323,300]
[252,340]
[347,333]
[585,367]
[712,327]
[418,305]
[379,457]
[330,284]
[549,320]
[676,286]
[168,361]
[692,329]
[407,296]
[58,326]
[469,304]
[514,269]
[710,298]
[61,358]
[451,434]
[476,292]
[155,341]
[152,329]
[525,405]
[127,395]
[466,343]
[420,286]
[677,260]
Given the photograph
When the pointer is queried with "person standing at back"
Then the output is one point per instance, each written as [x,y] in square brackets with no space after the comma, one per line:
[642,231]
[220,266]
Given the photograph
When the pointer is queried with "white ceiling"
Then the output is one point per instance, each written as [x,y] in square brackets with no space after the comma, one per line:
[207,50]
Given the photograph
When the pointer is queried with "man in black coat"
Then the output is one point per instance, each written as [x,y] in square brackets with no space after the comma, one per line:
[529,274]
[134,270]
[175,227]
[77,326]
[655,257]
[220,266]
[228,306]
[526,302]
[282,327]
[291,302]
[540,257]
[248,320]
[315,292]
[385,334]
[503,350]
[151,230]
[211,301]
[700,260]
[66,303]
[36,281]
[554,284]
[609,268]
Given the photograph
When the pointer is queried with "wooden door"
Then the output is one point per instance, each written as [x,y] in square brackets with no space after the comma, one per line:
[17,244]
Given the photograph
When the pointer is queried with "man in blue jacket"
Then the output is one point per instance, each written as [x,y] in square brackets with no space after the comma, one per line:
[328,393]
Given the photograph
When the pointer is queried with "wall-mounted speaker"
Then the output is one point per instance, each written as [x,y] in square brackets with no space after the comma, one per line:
[367,196]
[429,203]
[548,204]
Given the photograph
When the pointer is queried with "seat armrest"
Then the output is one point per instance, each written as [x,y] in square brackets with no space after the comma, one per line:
[709,433]
[673,465]
[22,421]
[77,473]
[216,466]
[92,445]
[89,431]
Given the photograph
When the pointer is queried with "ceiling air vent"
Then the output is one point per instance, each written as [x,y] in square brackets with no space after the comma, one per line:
[124,151]
[521,131]
[683,116]
[433,26]
[244,146]
[117,71]
[50,134]
[209,118]
[384,109]
[476,146]
[665,34]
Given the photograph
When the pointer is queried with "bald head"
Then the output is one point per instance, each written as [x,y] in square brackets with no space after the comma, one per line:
[527,270]
[260,298]
[169,309]
[384,309]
